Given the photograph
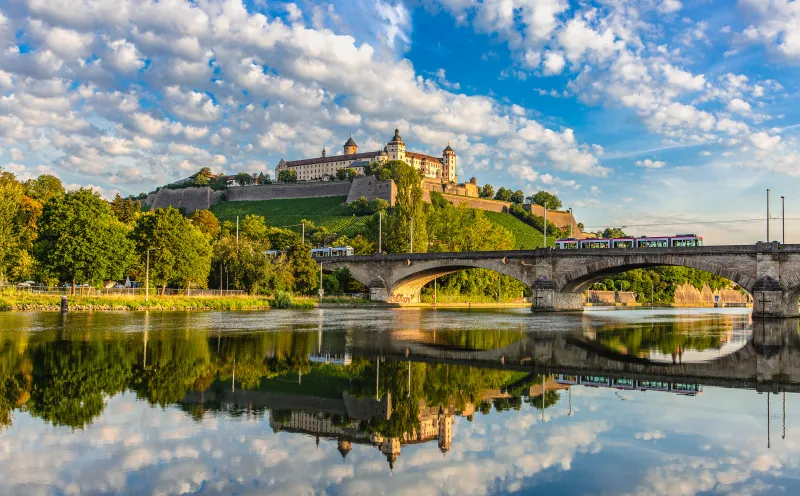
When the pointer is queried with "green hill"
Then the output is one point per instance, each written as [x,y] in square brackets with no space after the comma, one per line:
[332,213]
[527,237]
[329,211]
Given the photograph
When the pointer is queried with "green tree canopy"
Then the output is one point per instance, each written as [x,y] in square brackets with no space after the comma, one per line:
[518,197]
[244,179]
[126,210]
[44,187]
[613,232]
[206,222]
[287,176]
[545,199]
[503,194]
[487,191]
[181,252]
[408,212]
[81,240]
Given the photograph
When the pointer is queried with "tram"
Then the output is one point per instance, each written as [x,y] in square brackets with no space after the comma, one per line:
[625,383]
[679,240]
[332,251]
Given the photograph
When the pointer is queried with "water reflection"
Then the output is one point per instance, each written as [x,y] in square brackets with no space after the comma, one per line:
[388,386]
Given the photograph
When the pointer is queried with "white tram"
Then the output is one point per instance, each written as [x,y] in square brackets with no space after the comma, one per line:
[332,251]
[680,240]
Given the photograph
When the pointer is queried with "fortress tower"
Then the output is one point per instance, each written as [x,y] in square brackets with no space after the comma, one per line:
[350,147]
[449,164]
[396,148]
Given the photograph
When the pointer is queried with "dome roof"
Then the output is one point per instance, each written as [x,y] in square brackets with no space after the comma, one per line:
[350,142]
[396,137]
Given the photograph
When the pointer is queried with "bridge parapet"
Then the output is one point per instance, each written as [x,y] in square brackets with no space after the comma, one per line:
[769,271]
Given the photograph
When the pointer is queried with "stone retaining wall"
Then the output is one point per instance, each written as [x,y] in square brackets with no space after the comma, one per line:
[371,188]
[189,199]
[287,191]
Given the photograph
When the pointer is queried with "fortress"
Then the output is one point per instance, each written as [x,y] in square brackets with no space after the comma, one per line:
[322,168]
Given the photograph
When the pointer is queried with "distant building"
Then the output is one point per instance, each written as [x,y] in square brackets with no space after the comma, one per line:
[324,167]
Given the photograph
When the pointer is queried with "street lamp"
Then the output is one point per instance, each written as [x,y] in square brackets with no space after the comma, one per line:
[147,276]
[571,218]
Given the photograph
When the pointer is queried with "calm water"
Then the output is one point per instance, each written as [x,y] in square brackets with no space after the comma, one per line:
[399,402]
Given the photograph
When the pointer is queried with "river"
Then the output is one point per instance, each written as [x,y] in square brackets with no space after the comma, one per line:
[399,401]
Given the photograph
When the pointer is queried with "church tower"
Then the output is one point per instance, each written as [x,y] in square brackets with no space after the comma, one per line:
[350,147]
[449,164]
[396,148]
[324,152]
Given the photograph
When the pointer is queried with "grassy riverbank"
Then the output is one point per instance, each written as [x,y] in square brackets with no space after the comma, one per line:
[38,302]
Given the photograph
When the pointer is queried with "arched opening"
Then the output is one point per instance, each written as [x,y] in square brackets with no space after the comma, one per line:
[459,284]
[662,284]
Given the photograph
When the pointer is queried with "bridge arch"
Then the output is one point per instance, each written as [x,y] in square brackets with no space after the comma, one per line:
[580,277]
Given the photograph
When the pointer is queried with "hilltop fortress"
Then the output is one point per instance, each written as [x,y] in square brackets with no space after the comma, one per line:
[324,168]
[316,178]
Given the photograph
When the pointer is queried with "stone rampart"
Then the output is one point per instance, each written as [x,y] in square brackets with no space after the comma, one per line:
[561,218]
[477,203]
[371,188]
[286,191]
[189,199]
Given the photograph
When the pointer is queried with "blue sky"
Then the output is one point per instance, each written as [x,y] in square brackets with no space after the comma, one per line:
[661,115]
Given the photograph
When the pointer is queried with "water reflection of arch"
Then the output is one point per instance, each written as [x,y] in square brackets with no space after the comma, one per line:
[771,356]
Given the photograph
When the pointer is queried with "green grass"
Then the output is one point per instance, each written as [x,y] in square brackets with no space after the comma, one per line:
[527,237]
[330,212]
[36,302]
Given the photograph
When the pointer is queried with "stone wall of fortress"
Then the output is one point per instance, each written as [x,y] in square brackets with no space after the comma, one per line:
[189,199]
[370,188]
[286,191]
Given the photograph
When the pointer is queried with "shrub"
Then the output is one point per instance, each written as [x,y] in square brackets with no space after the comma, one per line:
[281,299]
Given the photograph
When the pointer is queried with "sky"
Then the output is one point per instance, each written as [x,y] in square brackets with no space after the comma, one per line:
[664,116]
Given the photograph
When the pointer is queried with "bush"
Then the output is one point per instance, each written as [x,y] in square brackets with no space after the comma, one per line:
[281,299]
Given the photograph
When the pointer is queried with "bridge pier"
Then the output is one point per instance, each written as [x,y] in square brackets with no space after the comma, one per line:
[545,298]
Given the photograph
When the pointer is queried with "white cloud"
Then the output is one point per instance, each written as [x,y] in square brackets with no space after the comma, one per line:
[553,63]
[650,164]
[764,141]
[124,57]
[738,105]
[670,6]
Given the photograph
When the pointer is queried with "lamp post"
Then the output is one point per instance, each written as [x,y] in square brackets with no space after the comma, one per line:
[412,236]
[767,215]
[321,291]
[380,231]
[570,222]
[544,230]
[783,220]
[147,276]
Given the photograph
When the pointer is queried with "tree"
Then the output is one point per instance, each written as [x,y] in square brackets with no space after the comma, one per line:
[181,252]
[244,179]
[613,232]
[80,239]
[545,199]
[126,210]
[304,268]
[503,194]
[200,180]
[408,211]
[11,194]
[254,227]
[206,222]
[287,176]
[44,187]
[341,174]
[518,197]
[487,191]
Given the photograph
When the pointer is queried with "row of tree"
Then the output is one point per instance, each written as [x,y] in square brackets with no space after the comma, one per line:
[543,198]
[51,235]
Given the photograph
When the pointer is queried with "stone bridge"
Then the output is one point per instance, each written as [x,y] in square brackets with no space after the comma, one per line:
[768,271]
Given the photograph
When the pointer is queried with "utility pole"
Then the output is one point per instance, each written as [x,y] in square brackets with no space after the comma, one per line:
[571,218]
[544,231]
[321,291]
[220,278]
[783,220]
[767,215]
[304,231]
[380,231]
[237,232]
